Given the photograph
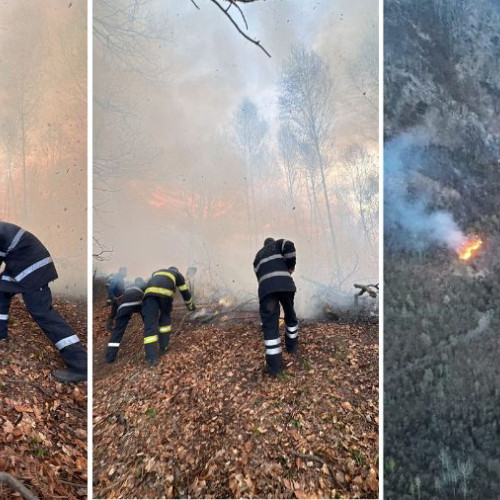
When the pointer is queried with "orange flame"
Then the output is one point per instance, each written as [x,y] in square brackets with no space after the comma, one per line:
[469,248]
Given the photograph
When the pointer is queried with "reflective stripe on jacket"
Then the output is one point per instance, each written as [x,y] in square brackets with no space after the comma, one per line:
[164,282]
[28,264]
[272,266]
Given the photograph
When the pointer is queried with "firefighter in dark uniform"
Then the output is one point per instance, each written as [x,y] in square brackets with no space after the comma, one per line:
[116,288]
[273,266]
[28,270]
[156,309]
[129,304]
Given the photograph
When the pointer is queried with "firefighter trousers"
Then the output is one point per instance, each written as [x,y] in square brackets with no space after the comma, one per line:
[121,321]
[157,325]
[270,315]
[39,305]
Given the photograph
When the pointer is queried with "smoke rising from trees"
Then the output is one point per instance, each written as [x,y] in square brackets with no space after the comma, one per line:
[410,220]
[196,161]
[43,142]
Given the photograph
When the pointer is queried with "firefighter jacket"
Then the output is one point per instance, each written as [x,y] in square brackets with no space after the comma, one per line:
[272,265]
[163,283]
[28,264]
[131,300]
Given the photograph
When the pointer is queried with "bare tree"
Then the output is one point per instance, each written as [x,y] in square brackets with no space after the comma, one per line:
[289,153]
[250,134]
[363,176]
[305,101]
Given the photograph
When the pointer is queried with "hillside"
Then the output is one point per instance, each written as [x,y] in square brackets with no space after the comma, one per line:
[441,375]
[43,423]
[206,423]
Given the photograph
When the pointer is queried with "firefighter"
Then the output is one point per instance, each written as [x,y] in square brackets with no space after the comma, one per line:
[156,309]
[273,266]
[28,269]
[129,303]
[116,288]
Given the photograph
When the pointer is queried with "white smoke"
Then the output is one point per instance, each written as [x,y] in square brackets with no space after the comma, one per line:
[410,221]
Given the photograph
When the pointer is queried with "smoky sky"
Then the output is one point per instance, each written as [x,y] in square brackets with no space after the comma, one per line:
[43,92]
[170,180]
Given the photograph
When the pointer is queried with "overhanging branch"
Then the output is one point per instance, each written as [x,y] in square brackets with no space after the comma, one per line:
[235,24]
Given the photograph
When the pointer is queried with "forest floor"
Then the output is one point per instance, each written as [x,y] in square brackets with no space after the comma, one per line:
[207,423]
[43,436]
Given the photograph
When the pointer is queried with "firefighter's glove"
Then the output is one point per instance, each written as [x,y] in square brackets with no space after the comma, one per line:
[108,302]
[191,307]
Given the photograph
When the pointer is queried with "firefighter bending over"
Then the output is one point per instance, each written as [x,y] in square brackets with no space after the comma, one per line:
[273,266]
[130,303]
[156,309]
[28,270]
[116,288]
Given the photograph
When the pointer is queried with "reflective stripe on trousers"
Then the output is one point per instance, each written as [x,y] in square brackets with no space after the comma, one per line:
[292,331]
[61,344]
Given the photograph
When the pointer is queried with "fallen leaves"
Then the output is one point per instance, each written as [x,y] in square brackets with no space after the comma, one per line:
[42,423]
[220,428]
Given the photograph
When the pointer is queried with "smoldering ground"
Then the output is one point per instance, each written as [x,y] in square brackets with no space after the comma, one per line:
[173,186]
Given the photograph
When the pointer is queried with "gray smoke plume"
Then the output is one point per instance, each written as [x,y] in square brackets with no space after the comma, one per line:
[410,221]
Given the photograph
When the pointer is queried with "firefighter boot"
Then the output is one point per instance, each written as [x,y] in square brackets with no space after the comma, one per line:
[151,350]
[111,353]
[69,376]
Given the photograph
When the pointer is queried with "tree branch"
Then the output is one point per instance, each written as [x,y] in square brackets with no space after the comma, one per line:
[17,485]
[235,24]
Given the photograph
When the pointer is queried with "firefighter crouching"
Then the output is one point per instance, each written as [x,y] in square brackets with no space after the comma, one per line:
[273,266]
[116,288]
[129,304]
[156,309]
[28,270]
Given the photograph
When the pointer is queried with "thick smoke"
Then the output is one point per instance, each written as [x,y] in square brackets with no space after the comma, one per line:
[171,181]
[43,140]
[410,220]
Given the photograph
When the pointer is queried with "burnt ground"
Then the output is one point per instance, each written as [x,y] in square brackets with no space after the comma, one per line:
[206,423]
[42,422]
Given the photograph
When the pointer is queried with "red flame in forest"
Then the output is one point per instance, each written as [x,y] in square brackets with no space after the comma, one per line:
[469,248]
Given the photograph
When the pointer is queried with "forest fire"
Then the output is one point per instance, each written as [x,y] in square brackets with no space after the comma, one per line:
[469,248]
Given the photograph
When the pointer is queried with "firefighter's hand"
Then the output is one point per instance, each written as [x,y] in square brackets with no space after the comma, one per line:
[191,307]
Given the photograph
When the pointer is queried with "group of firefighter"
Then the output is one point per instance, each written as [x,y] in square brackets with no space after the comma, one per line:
[153,300]
[26,268]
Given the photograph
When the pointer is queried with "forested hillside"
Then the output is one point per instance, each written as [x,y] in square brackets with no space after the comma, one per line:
[442,98]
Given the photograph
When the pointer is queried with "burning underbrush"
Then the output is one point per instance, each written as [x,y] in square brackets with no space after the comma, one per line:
[207,423]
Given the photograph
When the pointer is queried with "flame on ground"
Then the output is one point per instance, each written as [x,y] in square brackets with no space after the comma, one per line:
[469,248]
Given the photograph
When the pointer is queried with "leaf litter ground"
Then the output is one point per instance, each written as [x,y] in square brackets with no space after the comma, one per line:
[43,437]
[208,423]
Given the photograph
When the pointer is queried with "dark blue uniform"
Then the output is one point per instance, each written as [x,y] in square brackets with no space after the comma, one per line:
[116,288]
[156,309]
[28,270]
[273,266]
[129,304]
